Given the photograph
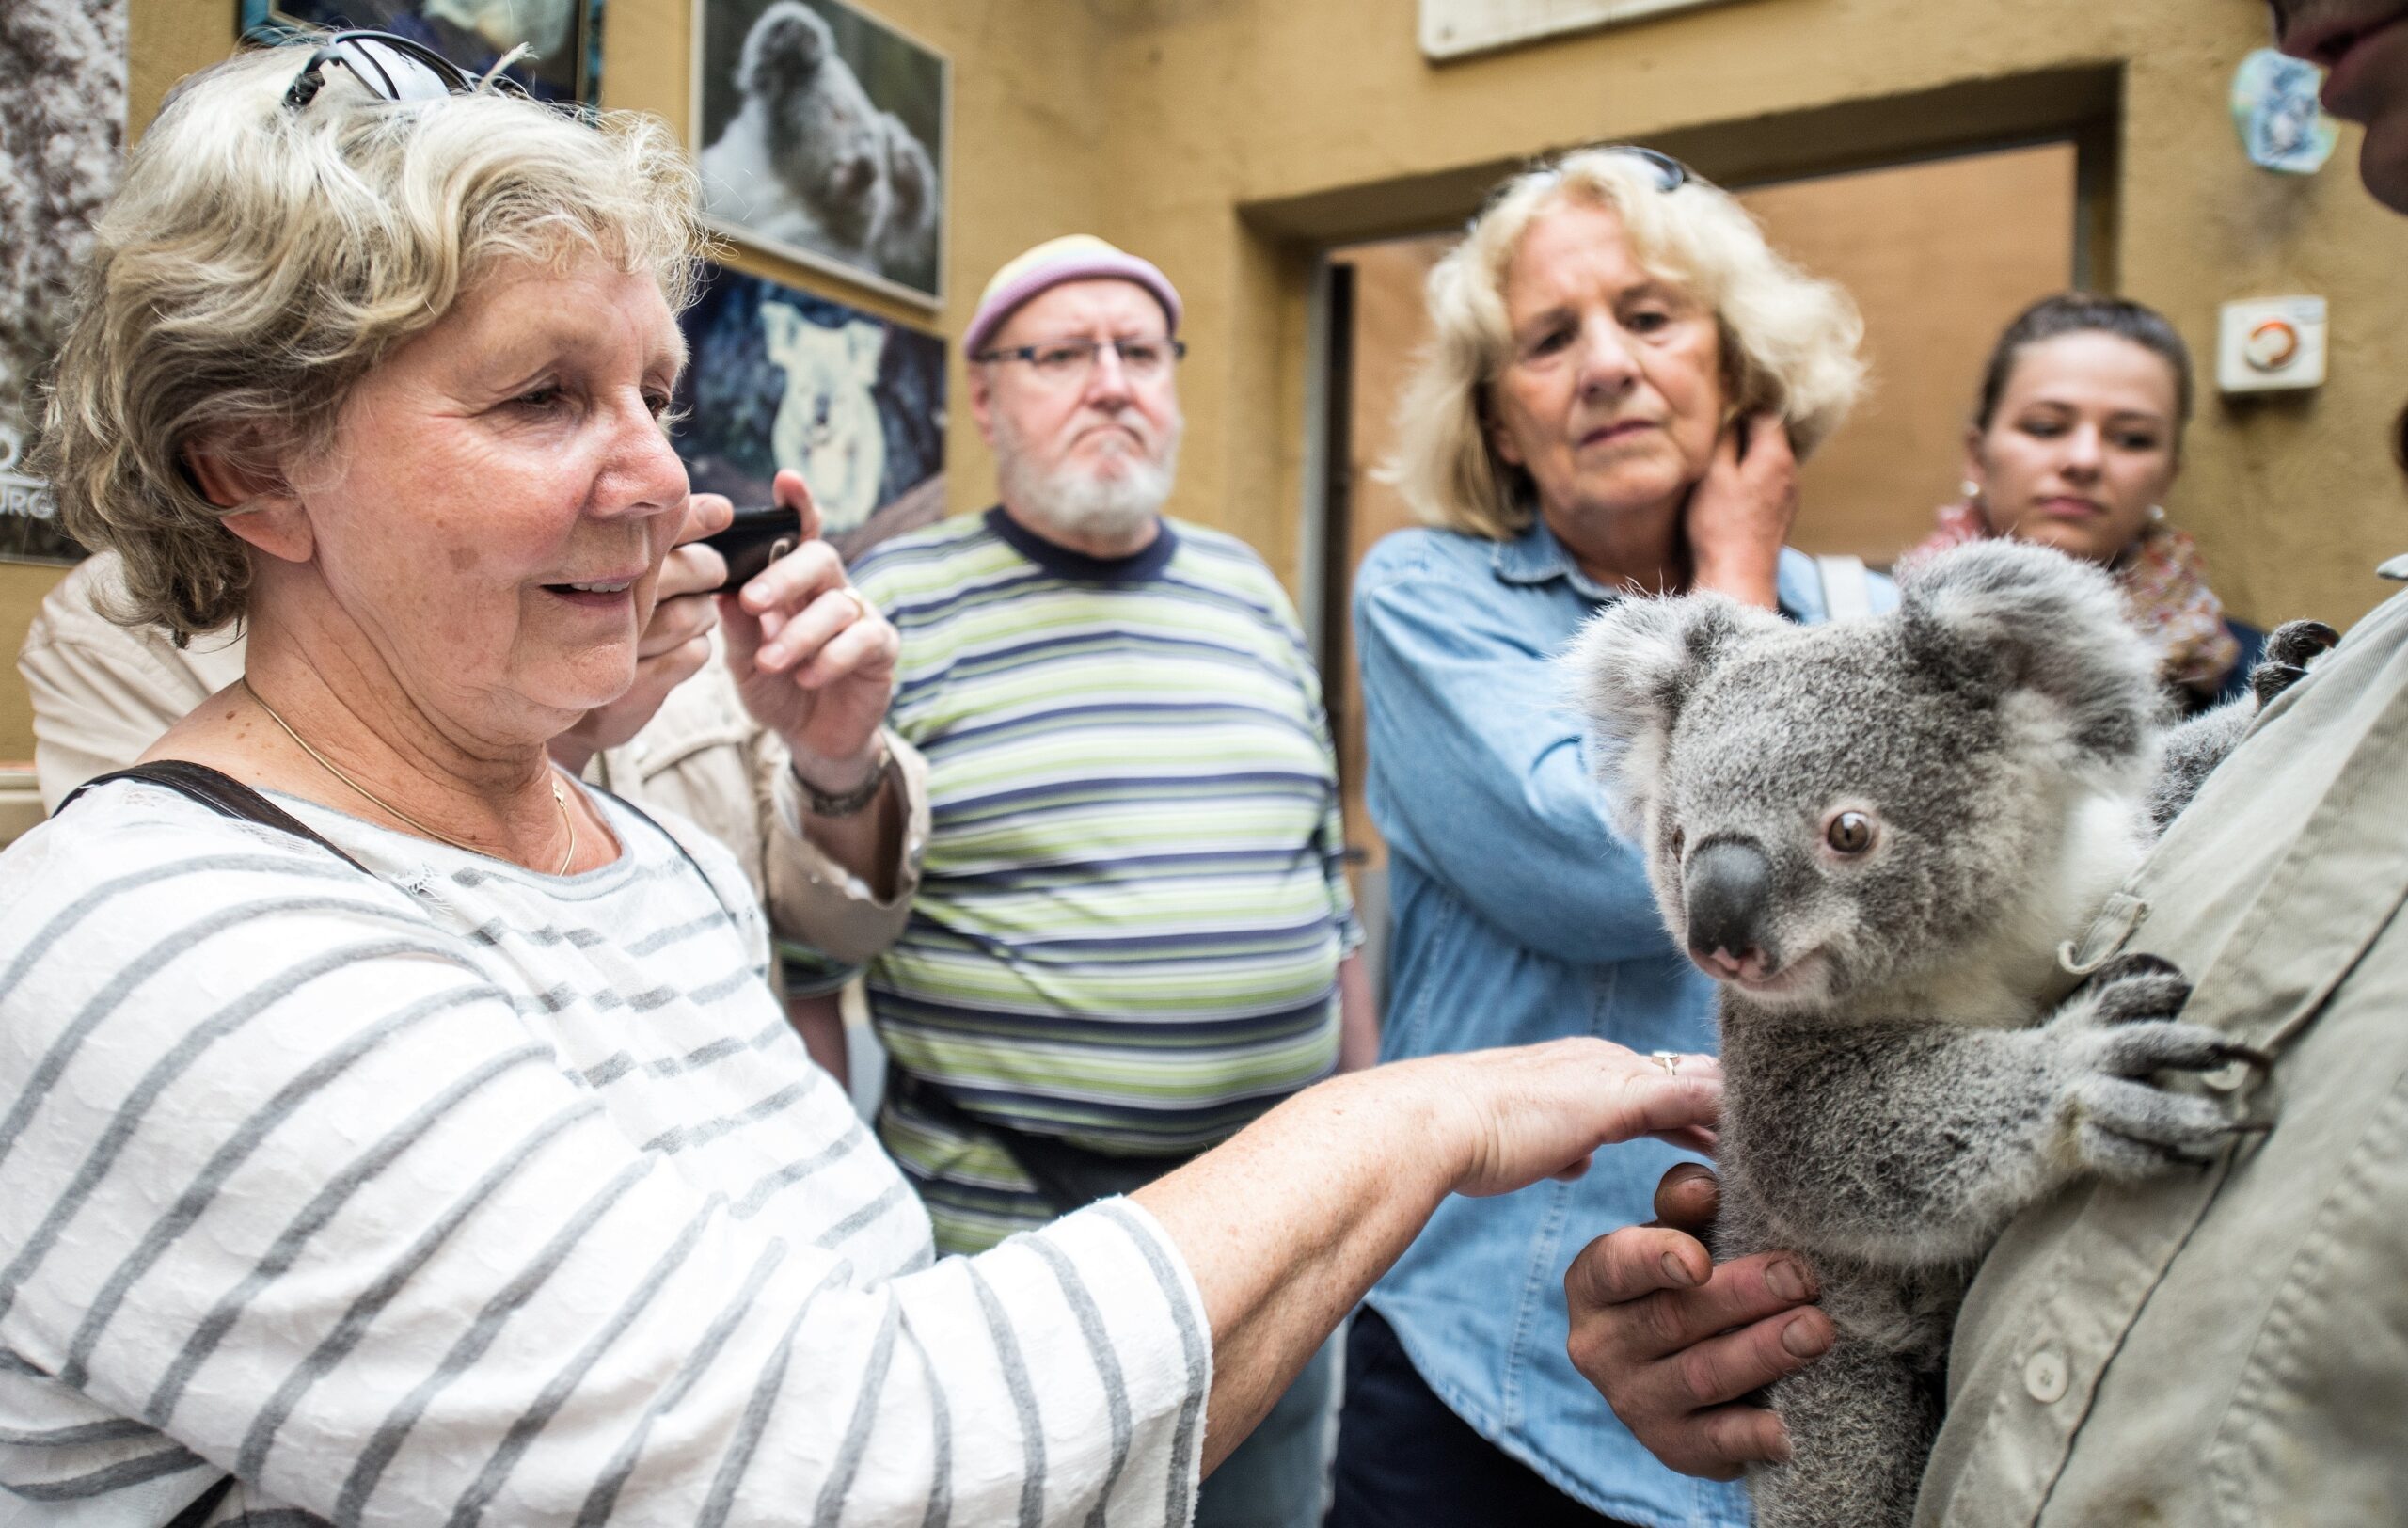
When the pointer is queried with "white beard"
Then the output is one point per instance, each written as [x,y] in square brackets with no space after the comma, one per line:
[1082,505]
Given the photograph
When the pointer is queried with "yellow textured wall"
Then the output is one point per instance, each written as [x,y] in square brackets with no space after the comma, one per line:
[1246,128]
[1232,139]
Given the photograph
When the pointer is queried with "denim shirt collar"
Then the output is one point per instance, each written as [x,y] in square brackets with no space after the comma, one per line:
[1536,557]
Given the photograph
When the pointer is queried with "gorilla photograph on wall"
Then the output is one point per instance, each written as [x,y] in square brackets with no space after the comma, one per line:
[783,378]
[824,138]
[563,38]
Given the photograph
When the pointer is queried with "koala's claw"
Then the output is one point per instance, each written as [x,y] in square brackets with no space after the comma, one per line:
[2140,1048]
[2137,963]
[2137,998]
[2288,652]
[2128,1130]
[2296,642]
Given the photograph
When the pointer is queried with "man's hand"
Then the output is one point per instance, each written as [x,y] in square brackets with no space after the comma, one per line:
[1673,1342]
[674,644]
[1739,514]
[815,662]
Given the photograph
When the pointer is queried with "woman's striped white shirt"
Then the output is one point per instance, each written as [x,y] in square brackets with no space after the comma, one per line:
[462,1194]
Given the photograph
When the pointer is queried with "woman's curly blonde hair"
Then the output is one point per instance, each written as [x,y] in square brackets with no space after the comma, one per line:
[257,261]
[1790,341]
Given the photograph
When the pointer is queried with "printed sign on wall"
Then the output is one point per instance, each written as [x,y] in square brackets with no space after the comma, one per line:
[1452,28]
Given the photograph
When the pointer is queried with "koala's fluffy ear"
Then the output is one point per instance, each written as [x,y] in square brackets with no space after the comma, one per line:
[864,343]
[2007,615]
[1634,666]
[781,329]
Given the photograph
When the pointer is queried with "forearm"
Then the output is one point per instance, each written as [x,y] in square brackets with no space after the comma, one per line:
[819,1019]
[1286,1226]
[1358,1016]
[1747,575]
[869,843]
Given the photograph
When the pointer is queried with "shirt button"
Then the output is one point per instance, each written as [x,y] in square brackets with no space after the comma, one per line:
[2044,1375]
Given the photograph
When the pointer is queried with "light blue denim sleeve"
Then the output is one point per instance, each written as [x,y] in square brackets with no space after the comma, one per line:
[1482,782]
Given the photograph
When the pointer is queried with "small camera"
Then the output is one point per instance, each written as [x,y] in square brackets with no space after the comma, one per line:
[753,540]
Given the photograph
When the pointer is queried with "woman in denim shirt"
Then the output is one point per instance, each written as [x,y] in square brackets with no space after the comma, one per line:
[1623,376]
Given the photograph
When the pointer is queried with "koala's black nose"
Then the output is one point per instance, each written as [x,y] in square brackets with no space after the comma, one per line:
[1729,888]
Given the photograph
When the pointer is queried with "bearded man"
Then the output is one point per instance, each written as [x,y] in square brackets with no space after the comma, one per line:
[1132,932]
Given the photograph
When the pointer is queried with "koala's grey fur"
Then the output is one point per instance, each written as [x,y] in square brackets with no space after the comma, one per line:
[1896,1085]
[2195,749]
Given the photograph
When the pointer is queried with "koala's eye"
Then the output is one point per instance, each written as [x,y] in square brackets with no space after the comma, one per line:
[1680,842]
[1850,833]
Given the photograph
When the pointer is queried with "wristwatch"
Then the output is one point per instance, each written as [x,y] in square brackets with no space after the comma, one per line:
[848,803]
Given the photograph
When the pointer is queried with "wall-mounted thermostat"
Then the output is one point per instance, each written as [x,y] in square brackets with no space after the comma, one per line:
[2271,345]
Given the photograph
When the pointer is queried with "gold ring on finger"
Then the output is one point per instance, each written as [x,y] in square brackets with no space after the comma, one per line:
[1668,1060]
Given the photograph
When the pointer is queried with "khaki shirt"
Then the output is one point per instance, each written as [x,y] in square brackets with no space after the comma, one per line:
[102,693]
[2230,1346]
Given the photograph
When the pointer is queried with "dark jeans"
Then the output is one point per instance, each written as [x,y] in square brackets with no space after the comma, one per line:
[1405,1460]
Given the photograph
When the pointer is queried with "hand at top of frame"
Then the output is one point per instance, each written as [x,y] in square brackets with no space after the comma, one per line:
[1675,1343]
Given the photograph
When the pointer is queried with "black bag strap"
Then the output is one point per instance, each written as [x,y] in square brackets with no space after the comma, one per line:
[220,792]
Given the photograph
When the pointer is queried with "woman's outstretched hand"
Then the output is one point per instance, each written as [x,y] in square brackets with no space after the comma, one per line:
[1538,1111]
[1284,1225]
[1675,1343]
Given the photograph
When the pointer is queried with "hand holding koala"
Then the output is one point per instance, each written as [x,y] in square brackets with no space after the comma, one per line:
[1877,834]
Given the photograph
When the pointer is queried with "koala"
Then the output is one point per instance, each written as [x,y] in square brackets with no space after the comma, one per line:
[1874,835]
[827,426]
[811,161]
[542,25]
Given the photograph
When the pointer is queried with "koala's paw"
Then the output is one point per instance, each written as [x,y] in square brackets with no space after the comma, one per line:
[2288,652]
[2121,1033]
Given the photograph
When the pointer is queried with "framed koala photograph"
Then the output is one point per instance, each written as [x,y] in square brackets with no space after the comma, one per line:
[783,378]
[823,134]
[563,38]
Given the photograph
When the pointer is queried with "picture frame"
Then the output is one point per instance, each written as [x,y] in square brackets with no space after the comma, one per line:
[781,377]
[823,136]
[565,35]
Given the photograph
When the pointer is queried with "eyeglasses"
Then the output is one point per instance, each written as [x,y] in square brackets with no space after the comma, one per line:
[392,67]
[1064,361]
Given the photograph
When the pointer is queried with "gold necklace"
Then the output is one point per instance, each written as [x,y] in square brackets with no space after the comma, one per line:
[560,797]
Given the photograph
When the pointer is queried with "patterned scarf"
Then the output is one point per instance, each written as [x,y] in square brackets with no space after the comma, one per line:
[2164,581]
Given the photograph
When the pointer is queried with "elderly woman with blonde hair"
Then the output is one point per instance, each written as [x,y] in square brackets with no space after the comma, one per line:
[393,1130]
[1623,376]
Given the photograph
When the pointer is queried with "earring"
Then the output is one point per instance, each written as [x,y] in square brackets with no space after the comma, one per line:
[1970,490]
[2157,513]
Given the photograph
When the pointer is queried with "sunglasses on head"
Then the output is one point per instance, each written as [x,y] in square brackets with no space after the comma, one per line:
[392,67]
[1670,173]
